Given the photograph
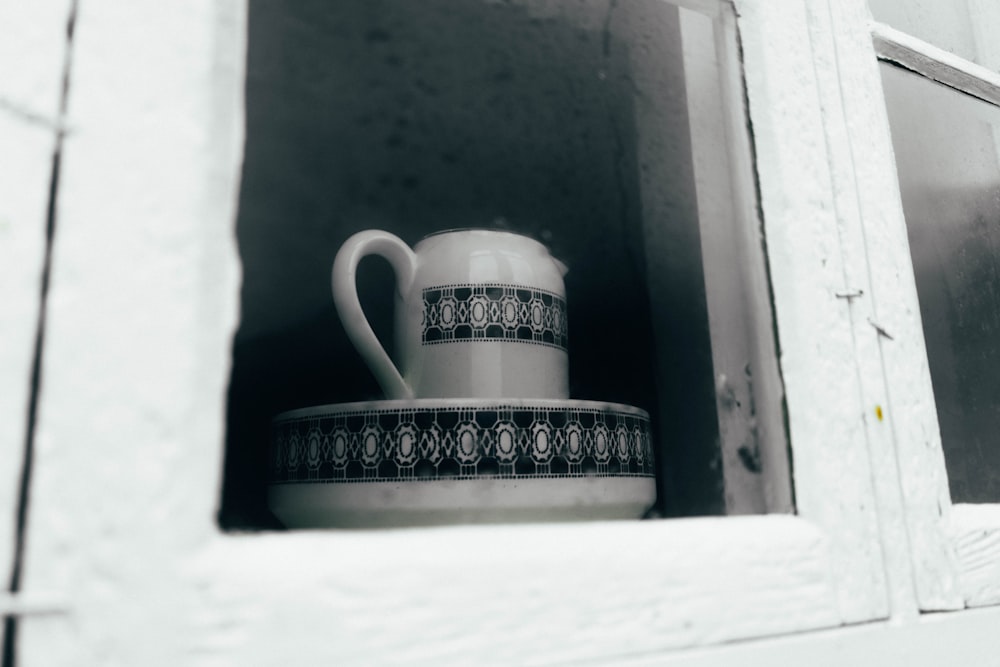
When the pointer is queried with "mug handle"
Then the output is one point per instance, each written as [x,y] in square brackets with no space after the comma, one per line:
[345,297]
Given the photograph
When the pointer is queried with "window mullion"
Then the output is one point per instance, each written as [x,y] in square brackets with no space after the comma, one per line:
[826,418]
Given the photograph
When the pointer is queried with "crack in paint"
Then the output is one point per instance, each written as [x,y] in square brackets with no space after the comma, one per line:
[31,117]
[9,651]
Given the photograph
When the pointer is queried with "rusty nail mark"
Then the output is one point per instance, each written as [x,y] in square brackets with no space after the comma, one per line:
[880,330]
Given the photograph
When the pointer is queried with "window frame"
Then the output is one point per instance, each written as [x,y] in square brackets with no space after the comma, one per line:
[955,546]
[30,126]
[150,534]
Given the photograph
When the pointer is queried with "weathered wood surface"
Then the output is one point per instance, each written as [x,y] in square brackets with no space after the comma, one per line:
[910,479]
[956,638]
[143,302]
[809,267]
[975,532]
[32,51]
[510,595]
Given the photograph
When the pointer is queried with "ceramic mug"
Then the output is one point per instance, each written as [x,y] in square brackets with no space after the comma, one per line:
[479,314]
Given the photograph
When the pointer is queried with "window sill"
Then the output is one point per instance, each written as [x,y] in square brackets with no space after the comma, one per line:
[975,535]
[613,589]
[955,638]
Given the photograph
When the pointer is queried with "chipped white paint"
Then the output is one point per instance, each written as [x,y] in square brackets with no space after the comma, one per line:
[24,187]
[142,305]
[29,109]
[506,595]
[819,356]
[890,347]
[32,53]
[969,638]
[975,533]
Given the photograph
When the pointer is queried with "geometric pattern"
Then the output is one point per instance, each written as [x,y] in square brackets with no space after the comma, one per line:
[493,312]
[433,443]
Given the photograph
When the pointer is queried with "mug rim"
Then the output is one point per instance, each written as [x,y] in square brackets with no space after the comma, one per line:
[458,230]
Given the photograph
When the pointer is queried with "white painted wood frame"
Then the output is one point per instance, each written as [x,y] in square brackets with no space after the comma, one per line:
[955,548]
[144,304]
[32,55]
[900,416]
[967,638]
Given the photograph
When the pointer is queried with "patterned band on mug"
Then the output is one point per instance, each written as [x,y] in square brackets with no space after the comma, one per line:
[493,312]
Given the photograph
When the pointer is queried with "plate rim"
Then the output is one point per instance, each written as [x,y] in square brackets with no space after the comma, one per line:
[386,405]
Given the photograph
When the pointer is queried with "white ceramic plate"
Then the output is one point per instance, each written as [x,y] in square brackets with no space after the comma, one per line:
[438,461]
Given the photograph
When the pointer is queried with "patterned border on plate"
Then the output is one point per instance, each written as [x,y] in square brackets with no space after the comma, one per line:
[426,444]
[493,312]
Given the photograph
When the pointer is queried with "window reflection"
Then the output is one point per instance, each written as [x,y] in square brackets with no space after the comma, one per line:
[946,146]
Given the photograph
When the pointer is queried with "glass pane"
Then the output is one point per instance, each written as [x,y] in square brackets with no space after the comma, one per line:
[967,28]
[596,128]
[946,155]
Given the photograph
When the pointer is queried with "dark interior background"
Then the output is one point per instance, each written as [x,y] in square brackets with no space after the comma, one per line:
[416,117]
